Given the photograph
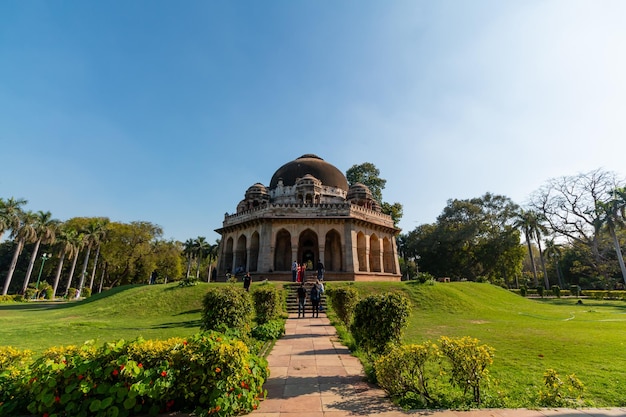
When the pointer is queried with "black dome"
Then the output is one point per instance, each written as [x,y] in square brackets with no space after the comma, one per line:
[310,164]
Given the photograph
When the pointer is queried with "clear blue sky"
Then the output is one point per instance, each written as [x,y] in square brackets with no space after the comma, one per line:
[167,111]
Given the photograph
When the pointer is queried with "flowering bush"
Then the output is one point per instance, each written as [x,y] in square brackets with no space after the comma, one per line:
[209,373]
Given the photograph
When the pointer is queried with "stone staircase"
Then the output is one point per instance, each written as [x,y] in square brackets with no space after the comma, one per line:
[292,296]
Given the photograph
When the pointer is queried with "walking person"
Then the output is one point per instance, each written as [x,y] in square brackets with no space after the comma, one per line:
[246,281]
[301,299]
[315,300]
[320,271]
[320,286]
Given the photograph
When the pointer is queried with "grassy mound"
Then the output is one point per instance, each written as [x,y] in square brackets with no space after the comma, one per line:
[530,336]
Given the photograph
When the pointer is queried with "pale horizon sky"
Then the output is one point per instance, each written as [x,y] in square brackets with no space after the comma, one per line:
[167,112]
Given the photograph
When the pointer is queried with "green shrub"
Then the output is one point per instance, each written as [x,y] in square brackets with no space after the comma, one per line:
[557,393]
[379,321]
[71,293]
[540,291]
[208,373]
[188,282]
[270,330]
[556,291]
[227,306]
[523,290]
[343,301]
[30,293]
[268,303]
[86,292]
[469,363]
[404,374]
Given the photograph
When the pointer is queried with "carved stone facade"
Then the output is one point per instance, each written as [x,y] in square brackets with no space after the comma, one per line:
[308,213]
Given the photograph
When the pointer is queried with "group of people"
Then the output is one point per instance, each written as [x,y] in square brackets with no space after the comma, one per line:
[314,294]
[298,271]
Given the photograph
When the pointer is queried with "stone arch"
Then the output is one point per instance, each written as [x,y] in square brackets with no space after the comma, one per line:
[282,251]
[333,254]
[241,254]
[389,266]
[228,255]
[308,249]
[375,253]
[254,252]
[361,249]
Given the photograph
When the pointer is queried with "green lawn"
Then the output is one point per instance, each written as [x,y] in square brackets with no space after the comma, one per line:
[151,312]
[529,336]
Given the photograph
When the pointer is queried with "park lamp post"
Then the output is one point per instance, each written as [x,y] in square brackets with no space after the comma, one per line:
[44,258]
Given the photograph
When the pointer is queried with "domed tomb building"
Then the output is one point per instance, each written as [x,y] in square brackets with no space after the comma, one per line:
[308,213]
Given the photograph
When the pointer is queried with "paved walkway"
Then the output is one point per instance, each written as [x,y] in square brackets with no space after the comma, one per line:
[313,375]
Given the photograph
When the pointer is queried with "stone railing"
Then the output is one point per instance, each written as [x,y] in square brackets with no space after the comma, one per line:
[299,210]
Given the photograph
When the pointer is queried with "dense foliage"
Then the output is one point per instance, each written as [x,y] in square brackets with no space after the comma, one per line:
[91,253]
[379,321]
[227,306]
[207,373]
[343,301]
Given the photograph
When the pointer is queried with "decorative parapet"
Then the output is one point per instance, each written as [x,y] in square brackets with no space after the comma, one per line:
[303,211]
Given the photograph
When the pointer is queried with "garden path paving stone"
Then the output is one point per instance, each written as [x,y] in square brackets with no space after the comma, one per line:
[313,375]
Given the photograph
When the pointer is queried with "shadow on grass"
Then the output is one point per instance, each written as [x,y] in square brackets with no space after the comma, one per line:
[182,324]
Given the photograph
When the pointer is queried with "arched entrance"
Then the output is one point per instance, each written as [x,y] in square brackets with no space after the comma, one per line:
[308,248]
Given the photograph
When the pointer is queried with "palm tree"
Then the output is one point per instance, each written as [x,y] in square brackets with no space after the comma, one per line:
[201,247]
[45,227]
[525,221]
[91,236]
[68,243]
[611,215]
[101,239]
[188,249]
[23,233]
[78,241]
[10,212]
[212,256]
[553,251]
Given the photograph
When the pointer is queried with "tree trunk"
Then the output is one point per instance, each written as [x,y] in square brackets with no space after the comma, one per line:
[532,260]
[16,255]
[95,263]
[71,276]
[101,280]
[31,264]
[57,278]
[543,266]
[618,251]
[83,272]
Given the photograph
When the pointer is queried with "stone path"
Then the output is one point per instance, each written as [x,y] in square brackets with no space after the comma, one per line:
[313,375]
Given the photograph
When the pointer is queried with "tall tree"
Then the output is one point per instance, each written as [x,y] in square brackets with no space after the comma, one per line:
[101,238]
[553,251]
[569,206]
[91,234]
[188,250]
[525,221]
[45,229]
[10,214]
[68,242]
[201,247]
[472,239]
[23,233]
[611,216]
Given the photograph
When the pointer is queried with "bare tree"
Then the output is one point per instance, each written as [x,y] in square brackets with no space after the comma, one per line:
[569,206]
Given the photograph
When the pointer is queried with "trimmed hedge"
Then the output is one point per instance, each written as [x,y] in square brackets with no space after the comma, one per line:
[343,301]
[379,321]
[227,307]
